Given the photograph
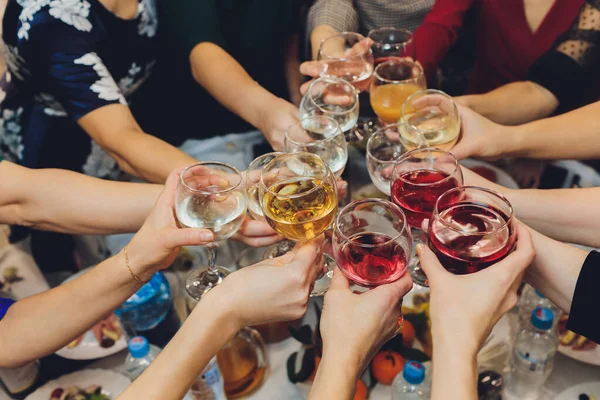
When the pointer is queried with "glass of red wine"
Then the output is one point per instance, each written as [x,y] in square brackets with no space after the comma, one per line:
[391,43]
[471,228]
[419,178]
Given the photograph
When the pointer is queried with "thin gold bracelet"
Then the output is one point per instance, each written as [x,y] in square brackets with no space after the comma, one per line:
[137,279]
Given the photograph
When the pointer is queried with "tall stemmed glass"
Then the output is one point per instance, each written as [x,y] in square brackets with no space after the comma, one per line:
[390,43]
[419,178]
[210,195]
[384,148]
[471,228]
[320,135]
[299,200]
[393,82]
[347,55]
[435,115]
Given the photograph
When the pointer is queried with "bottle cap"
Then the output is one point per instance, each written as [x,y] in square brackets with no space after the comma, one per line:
[542,318]
[413,372]
[540,294]
[138,347]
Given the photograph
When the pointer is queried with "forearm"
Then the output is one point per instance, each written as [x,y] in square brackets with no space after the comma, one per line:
[454,369]
[513,104]
[336,377]
[318,34]
[170,376]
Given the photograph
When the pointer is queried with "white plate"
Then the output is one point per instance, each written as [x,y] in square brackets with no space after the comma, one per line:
[591,357]
[502,177]
[89,348]
[572,393]
[111,382]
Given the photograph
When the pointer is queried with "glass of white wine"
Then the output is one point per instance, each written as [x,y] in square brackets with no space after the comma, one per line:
[322,136]
[435,115]
[210,195]
[299,200]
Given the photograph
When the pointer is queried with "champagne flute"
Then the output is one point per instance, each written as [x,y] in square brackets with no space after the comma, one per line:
[347,55]
[320,135]
[299,200]
[210,195]
[393,82]
[435,115]
[419,178]
[471,228]
[390,43]
[384,147]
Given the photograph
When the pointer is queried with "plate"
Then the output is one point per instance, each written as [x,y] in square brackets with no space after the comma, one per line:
[89,348]
[572,393]
[502,177]
[111,382]
[591,357]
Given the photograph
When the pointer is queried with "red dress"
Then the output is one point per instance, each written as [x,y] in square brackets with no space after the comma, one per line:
[505,45]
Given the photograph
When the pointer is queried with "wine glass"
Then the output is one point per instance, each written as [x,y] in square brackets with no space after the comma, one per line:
[419,178]
[471,228]
[210,195]
[389,43]
[320,135]
[347,55]
[332,97]
[393,81]
[299,200]
[384,147]
[435,115]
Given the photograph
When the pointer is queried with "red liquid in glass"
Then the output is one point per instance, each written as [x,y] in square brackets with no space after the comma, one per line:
[464,253]
[383,261]
[417,191]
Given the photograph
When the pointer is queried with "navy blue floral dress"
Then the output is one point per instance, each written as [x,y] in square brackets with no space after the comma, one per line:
[66,58]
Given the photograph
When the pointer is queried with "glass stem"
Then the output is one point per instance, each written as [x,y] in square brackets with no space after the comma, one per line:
[212,259]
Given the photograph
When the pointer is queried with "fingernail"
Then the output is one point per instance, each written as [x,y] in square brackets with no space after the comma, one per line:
[205,236]
[420,248]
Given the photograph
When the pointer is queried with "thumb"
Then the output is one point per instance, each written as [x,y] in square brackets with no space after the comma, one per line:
[339,281]
[308,254]
[168,193]
[430,264]
[187,237]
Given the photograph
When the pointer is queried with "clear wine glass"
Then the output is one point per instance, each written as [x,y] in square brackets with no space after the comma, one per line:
[210,195]
[393,82]
[332,97]
[299,199]
[384,147]
[390,43]
[320,135]
[347,55]
[435,115]
[419,178]
[471,228]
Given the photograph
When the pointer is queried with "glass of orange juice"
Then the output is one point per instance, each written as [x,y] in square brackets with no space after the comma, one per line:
[393,82]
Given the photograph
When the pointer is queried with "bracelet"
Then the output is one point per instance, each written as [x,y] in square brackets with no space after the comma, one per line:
[137,279]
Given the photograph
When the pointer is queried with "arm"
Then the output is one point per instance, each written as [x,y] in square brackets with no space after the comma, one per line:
[328,17]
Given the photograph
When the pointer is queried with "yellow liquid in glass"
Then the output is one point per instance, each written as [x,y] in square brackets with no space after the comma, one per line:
[387,100]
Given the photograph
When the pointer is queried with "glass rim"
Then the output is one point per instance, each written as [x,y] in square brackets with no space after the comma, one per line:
[327,174]
[396,82]
[382,131]
[334,80]
[316,142]
[412,152]
[272,153]
[344,35]
[344,210]
[480,189]
[425,92]
[207,163]
[391,28]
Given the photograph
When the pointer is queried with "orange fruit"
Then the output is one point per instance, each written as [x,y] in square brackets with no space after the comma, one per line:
[386,365]
[408,333]
[361,391]
[314,373]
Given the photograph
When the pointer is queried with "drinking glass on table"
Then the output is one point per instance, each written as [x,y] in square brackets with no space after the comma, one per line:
[390,43]
[393,82]
[471,228]
[419,178]
[299,198]
[210,195]
[348,56]
[384,147]
[320,135]
[435,115]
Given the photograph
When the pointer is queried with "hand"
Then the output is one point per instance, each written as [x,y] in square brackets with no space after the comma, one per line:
[480,137]
[465,308]
[158,241]
[276,120]
[276,289]
[256,233]
[355,326]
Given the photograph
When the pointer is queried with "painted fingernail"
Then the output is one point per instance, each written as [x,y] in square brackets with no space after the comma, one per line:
[420,248]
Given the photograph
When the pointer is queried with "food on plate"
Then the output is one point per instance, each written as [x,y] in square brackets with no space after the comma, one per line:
[571,339]
[93,392]
[485,172]
[107,332]
[386,365]
[408,333]
[361,391]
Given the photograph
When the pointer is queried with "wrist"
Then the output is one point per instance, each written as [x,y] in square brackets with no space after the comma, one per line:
[133,260]
[451,343]
[348,363]
[216,301]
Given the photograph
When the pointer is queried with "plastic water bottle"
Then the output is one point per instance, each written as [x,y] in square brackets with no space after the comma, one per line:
[209,385]
[532,357]
[141,354]
[529,301]
[409,385]
[149,306]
